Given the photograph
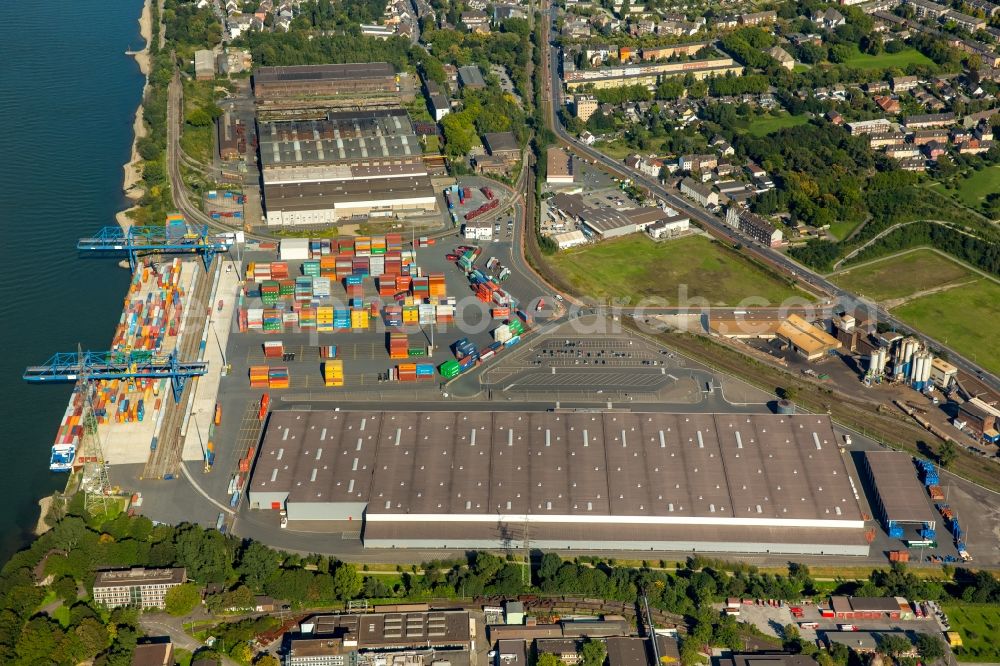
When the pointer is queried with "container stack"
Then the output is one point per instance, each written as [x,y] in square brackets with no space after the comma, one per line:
[307,318]
[411,315]
[279,270]
[303,289]
[398,345]
[321,287]
[328,351]
[324,319]
[425,371]
[277,378]
[421,288]
[272,321]
[269,293]
[392,315]
[258,376]
[359,319]
[436,285]
[500,313]
[354,286]
[386,286]
[341,318]
[426,314]
[311,268]
[274,349]
[446,313]
[255,319]
[333,373]
[416,351]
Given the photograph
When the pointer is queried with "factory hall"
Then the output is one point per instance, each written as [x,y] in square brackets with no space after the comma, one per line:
[565,481]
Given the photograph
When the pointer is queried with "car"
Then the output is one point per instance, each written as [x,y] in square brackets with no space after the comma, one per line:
[451,257]
[284,522]
[559,297]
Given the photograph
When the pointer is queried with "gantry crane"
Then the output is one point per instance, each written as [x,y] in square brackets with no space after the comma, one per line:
[138,364]
[167,239]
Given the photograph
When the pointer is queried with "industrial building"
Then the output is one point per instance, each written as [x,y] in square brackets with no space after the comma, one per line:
[649,74]
[345,640]
[899,498]
[613,481]
[807,340]
[469,76]
[144,588]
[362,163]
[870,608]
[331,86]
[559,167]
[982,418]
[204,65]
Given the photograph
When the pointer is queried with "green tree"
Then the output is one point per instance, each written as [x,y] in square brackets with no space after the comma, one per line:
[893,645]
[198,118]
[257,563]
[265,659]
[182,599]
[347,582]
[930,648]
[593,653]
[946,454]
[549,659]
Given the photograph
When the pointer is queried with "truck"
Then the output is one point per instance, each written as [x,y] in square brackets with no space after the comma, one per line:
[847,627]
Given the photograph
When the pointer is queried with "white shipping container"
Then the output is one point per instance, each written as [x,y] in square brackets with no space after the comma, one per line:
[502,333]
[294,249]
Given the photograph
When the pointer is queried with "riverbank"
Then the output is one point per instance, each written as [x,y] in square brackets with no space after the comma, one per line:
[133,168]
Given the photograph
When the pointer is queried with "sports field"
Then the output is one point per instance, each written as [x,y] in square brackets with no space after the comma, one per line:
[764,125]
[979,627]
[634,268]
[963,318]
[902,275]
[885,60]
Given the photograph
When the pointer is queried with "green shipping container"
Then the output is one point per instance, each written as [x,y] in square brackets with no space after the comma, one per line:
[416,351]
[449,369]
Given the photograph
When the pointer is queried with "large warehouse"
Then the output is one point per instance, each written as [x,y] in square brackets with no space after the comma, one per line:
[348,164]
[603,481]
[329,86]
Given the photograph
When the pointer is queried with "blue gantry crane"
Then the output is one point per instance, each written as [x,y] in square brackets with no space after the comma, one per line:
[175,237]
[71,366]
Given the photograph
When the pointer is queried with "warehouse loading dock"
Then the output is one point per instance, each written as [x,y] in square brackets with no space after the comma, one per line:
[608,481]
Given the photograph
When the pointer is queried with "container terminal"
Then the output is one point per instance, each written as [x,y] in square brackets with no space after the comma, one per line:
[232,372]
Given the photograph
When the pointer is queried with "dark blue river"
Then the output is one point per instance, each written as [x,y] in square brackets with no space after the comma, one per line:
[68,94]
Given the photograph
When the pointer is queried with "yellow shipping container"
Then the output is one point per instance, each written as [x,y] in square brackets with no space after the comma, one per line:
[359,319]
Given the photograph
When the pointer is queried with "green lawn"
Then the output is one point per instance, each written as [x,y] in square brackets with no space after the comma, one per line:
[765,125]
[979,626]
[972,189]
[962,318]
[616,149]
[634,268]
[842,229]
[885,60]
[902,275]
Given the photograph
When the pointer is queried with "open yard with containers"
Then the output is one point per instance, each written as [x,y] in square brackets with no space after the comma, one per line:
[127,411]
[361,313]
[634,268]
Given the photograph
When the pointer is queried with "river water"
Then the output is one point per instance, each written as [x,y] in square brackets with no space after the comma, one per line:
[68,94]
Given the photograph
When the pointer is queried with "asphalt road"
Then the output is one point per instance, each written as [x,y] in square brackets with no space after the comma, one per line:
[720,229]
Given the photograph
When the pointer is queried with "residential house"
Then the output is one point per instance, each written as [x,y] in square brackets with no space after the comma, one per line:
[913,164]
[504,12]
[828,19]
[584,106]
[934,149]
[963,21]
[783,57]
[904,83]
[922,137]
[758,18]
[754,226]
[703,194]
[650,166]
[835,117]
[887,104]
[927,9]
[576,27]
[988,8]
[476,21]
[145,588]
[692,163]
[929,120]
[884,139]
[873,126]
[902,151]
[160,653]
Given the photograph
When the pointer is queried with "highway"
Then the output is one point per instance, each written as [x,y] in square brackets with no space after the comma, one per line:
[714,224]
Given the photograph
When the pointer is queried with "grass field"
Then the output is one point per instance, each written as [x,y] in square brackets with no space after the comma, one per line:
[842,230]
[635,268]
[979,626]
[885,60]
[764,125]
[616,149]
[902,275]
[972,189]
[962,318]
